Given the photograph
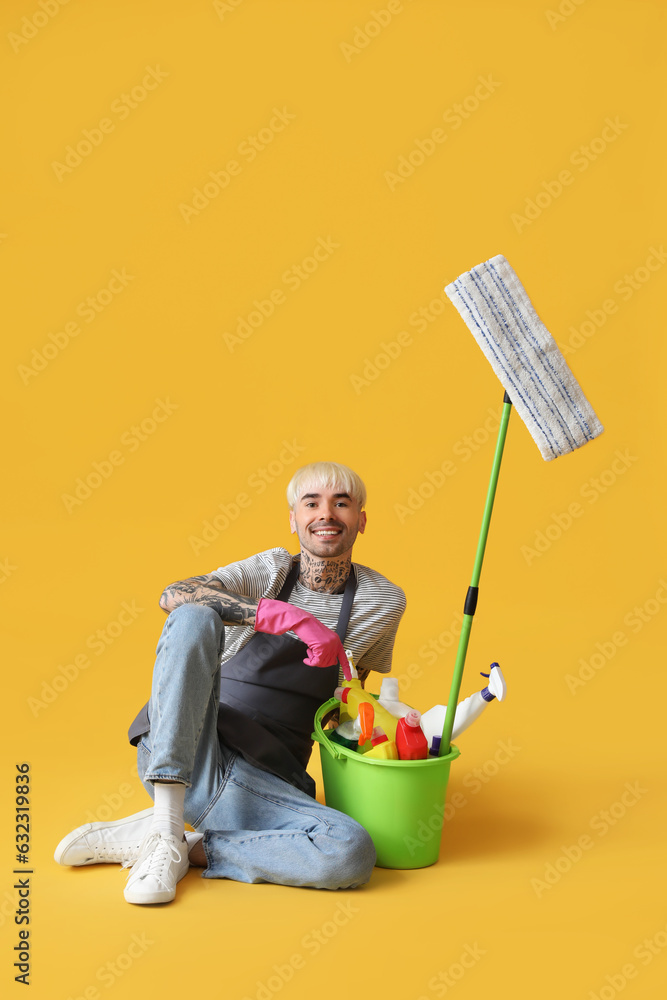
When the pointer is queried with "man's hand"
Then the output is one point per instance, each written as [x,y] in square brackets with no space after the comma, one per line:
[324,646]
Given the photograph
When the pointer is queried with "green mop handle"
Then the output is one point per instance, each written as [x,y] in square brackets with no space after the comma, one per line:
[473,589]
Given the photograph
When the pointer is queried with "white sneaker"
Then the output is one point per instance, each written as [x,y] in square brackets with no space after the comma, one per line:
[162,862]
[98,843]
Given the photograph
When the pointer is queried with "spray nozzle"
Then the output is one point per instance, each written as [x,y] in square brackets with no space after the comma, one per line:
[366,719]
[379,736]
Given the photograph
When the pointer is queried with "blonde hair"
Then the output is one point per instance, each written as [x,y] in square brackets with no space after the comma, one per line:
[326,475]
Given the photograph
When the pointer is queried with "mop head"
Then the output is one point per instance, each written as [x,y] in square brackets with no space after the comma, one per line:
[525,357]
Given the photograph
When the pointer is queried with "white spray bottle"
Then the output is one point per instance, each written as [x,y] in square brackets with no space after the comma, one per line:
[466,711]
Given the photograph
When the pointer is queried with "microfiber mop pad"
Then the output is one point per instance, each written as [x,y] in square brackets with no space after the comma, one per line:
[525,357]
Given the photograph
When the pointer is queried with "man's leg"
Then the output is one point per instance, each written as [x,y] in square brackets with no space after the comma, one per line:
[185,682]
[182,742]
[262,829]
[256,826]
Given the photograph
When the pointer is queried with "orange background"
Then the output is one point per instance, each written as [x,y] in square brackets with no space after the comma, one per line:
[343,368]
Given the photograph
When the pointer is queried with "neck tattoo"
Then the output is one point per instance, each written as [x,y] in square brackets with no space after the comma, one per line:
[328,576]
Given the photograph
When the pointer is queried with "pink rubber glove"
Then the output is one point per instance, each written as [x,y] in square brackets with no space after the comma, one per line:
[324,646]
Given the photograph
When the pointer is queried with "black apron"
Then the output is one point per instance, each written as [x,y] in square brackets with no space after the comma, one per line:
[269,697]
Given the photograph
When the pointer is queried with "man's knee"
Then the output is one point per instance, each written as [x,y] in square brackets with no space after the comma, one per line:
[196,619]
[352,865]
[362,858]
[195,613]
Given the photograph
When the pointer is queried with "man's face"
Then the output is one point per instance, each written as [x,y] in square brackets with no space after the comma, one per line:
[326,521]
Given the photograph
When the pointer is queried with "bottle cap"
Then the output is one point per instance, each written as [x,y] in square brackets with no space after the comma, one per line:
[412,718]
[389,689]
[379,736]
[341,693]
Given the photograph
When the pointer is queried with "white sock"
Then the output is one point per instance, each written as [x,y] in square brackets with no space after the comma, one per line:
[168,808]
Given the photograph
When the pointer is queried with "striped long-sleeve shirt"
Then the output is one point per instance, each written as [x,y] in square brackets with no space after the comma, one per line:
[375,616]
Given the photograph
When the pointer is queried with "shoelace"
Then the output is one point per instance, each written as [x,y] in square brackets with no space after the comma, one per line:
[127,855]
[158,850]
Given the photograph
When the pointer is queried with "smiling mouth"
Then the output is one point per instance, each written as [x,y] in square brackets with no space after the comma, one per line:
[326,532]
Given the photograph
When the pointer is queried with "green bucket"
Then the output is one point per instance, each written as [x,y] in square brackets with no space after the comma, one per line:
[400,802]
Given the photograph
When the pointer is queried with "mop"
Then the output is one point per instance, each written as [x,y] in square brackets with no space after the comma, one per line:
[538,383]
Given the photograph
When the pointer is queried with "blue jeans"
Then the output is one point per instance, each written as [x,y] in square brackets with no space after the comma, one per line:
[257,827]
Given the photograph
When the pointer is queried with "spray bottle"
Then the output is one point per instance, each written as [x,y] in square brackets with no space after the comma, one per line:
[352,698]
[467,710]
[357,733]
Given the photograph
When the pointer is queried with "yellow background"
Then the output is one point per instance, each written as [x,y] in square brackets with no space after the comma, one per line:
[356,111]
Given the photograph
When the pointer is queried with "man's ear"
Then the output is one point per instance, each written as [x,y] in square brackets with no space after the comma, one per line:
[292,523]
[362,522]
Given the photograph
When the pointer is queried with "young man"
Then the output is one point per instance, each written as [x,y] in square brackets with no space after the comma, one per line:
[247,655]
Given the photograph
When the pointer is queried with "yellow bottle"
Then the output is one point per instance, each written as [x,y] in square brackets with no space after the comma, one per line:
[352,697]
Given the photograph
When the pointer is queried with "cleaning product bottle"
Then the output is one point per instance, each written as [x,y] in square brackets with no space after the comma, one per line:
[356,733]
[467,710]
[346,735]
[348,730]
[410,740]
[353,697]
[383,748]
[389,698]
[335,737]
[433,721]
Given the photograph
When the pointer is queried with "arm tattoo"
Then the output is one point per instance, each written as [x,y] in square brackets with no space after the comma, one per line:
[234,609]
